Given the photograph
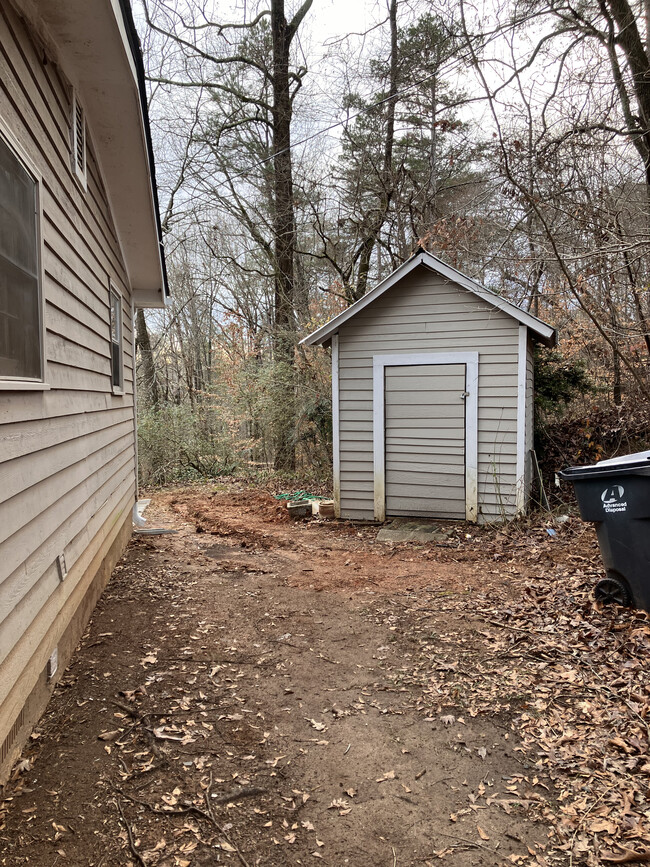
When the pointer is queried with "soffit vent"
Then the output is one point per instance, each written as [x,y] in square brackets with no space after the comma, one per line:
[79,141]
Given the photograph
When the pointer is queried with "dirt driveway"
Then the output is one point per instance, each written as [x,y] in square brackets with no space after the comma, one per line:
[255,691]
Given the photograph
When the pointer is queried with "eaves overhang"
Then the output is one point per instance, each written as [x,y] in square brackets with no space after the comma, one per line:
[97,47]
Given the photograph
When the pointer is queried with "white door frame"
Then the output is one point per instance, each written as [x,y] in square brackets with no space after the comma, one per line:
[521,492]
[379,364]
[336,424]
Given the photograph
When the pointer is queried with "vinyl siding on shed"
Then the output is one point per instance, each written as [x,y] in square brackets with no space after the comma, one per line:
[426,313]
[67,455]
[425,439]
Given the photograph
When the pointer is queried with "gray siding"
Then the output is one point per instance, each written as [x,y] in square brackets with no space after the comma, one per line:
[424,444]
[67,455]
[425,313]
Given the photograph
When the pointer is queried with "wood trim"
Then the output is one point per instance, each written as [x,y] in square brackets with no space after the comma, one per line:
[379,364]
[471,436]
[23,385]
[336,437]
[31,168]
[379,433]
[40,246]
[520,471]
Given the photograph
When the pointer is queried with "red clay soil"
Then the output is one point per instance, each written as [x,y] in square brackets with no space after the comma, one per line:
[258,691]
[334,556]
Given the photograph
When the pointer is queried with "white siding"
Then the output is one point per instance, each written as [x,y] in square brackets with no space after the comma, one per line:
[425,313]
[67,455]
[530,416]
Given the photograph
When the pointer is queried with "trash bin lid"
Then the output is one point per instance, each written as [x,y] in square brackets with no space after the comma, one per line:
[636,457]
[637,463]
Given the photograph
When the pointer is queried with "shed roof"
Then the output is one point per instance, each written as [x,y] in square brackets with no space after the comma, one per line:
[541,330]
[98,44]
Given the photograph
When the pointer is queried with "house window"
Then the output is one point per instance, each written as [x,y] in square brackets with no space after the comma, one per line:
[116,341]
[78,141]
[20,296]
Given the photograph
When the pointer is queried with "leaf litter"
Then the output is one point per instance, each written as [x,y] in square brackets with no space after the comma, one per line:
[531,649]
[576,675]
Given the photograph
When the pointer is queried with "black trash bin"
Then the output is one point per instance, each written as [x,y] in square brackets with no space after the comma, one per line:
[615,496]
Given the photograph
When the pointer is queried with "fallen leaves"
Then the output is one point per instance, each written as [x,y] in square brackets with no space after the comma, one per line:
[389,775]
[574,673]
[536,653]
[109,736]
[226,847]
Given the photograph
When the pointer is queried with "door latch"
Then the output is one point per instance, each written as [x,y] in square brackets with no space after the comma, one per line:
[464,394]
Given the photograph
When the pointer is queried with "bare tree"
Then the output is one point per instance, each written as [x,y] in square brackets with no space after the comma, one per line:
[565,145]
[251,104]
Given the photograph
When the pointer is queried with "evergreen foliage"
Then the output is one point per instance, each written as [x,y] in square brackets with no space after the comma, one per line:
[559,380]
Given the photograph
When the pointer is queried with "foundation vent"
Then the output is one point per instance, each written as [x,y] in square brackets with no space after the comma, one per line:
[11,737]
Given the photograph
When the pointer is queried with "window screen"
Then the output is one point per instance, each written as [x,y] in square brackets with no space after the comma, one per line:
[116,339]
[20,319]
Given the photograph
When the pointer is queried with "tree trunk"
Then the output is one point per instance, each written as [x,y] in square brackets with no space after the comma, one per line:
[430,207]
[368,244]
[629,39]
[284,225]
[146,354]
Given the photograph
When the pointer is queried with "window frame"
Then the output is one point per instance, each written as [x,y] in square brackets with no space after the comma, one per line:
[18,383]
[114,293]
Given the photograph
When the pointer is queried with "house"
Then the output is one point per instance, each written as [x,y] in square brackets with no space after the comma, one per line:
[79,249]
[432,398]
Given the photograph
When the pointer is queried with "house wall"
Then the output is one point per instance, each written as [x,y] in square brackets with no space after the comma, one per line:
[425,313]
[67,454]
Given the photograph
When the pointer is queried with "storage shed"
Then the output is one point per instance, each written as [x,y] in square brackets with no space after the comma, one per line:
[432,398]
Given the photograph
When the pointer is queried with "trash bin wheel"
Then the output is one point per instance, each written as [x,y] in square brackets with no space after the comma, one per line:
[612,589]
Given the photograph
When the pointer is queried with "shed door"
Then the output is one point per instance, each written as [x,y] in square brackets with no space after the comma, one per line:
[425,440]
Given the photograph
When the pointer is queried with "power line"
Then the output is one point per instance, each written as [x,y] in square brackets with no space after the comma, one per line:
[446,70]
[367,109]
[340,123]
